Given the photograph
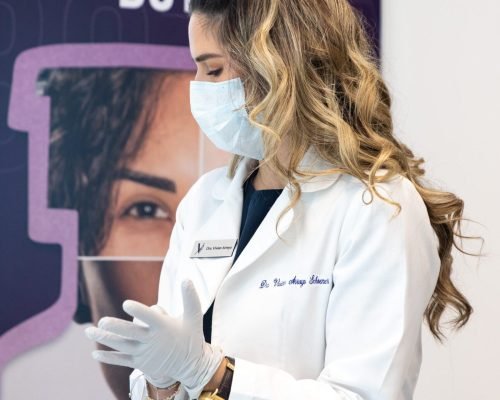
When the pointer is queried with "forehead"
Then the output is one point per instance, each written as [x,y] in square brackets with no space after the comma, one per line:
[202,36]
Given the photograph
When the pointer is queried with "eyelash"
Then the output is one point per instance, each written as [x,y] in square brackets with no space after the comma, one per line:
[216,72]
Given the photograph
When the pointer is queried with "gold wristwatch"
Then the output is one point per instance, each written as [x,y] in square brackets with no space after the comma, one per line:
[222,392]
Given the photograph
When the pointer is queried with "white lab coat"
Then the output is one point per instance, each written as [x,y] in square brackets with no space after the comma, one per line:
[332,312]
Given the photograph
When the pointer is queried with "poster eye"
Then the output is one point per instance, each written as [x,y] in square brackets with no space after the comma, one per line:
[147,210]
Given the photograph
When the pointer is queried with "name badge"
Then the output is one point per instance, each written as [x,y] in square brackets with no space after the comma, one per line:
[213,248]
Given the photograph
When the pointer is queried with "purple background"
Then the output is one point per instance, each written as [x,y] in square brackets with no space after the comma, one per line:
[38,254]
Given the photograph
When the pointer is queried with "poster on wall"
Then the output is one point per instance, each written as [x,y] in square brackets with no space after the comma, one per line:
[97,148]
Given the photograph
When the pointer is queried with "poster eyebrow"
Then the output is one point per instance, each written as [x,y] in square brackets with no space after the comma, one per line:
[147,179]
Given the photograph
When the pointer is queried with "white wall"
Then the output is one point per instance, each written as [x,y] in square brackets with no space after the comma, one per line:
[441,60]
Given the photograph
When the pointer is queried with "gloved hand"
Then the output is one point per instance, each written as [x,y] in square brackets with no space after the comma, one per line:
[165,349]
[137,321]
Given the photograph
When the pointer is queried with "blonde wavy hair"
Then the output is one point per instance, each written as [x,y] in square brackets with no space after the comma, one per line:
[311,75]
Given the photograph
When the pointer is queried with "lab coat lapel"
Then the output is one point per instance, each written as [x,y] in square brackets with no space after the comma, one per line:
[267,233]
[223,224]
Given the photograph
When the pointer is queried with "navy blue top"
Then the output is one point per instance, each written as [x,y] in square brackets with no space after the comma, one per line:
[256,204]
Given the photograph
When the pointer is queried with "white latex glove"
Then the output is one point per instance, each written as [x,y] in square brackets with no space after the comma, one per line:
[137,321]
[167,349]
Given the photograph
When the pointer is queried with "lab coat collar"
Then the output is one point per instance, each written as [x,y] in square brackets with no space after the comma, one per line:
[310,161]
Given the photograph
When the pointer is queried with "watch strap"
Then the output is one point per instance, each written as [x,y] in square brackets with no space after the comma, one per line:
[227,379]
[224,389]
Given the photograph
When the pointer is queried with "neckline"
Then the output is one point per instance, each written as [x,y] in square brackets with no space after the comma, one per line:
[251,188]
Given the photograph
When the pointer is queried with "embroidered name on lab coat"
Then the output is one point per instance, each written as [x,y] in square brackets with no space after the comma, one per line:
[213,248]
[295,281]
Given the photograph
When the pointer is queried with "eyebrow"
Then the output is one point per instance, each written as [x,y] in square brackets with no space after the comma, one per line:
[148,180]
[206,56]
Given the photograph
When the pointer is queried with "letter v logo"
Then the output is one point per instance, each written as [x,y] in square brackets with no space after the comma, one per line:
[200,247]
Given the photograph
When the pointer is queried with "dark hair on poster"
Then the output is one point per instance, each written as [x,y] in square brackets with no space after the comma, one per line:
[98,124]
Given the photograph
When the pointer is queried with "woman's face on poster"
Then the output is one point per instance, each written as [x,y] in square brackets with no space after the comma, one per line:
[146,196]
[167,164]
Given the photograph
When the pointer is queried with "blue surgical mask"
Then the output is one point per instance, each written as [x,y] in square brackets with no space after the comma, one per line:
[218,109]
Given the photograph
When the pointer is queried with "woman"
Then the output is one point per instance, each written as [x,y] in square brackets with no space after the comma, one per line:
[124,151]
[303,270]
